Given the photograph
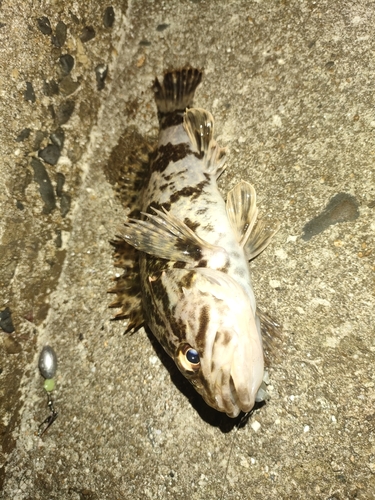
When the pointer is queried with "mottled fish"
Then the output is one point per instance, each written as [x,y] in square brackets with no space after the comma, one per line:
[194,250]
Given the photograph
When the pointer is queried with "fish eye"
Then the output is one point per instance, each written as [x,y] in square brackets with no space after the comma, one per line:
[192,356]
[188,358]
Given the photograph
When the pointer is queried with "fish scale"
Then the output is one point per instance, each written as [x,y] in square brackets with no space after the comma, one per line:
[194,248]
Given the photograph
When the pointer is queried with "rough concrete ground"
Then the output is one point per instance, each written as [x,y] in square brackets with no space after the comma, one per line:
[291,87]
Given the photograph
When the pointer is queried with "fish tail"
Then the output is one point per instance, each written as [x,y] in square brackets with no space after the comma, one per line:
[176,92]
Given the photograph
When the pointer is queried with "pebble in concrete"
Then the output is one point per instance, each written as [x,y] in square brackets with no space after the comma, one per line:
[45,186]
[59,38]
[44,25]
[109,17]
[50,154]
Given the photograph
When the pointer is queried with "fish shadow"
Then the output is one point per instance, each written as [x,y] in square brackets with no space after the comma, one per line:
[208,414]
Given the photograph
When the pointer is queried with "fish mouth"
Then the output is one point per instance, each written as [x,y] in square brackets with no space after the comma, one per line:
[236,379]
[229,398]
[223,395]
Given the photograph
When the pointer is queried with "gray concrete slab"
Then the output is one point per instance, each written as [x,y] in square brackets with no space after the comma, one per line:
[290,85]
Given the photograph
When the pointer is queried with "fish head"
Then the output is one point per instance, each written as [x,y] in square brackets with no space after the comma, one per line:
[220,347]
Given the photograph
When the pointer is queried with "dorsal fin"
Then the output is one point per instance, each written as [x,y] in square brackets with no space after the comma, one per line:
[199,125]
[127,286]
[126,170]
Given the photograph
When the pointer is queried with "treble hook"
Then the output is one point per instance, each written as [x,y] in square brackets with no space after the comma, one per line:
[50,419]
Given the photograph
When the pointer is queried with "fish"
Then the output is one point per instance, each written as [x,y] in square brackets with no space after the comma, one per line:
[193,250]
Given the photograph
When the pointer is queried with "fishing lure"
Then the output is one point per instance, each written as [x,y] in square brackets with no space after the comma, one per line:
[47,367]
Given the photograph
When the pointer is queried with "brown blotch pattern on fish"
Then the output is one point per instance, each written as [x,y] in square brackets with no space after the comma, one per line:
[189,191]
[202,263]
[168,153]
[208,227]
[179,265]
[190,248]
[225,268]
[173,119]
[187,280]
[204,319]
[201,211]
[192,225]
[223,338]
[157,206]
[163,187]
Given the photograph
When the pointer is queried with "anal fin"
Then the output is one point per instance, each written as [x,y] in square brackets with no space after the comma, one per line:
[199,125]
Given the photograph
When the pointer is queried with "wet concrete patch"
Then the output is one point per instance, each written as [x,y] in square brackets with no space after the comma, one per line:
[11,345]
[32,239]
[343,207]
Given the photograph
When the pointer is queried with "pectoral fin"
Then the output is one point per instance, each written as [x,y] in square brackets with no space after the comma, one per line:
[165,236]
[242,213]
[272,336]
[260,237]
[241,209]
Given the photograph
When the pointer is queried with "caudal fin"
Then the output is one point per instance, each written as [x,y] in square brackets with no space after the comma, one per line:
[176,92]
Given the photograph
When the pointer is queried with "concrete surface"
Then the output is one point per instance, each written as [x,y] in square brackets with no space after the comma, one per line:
[291,86]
